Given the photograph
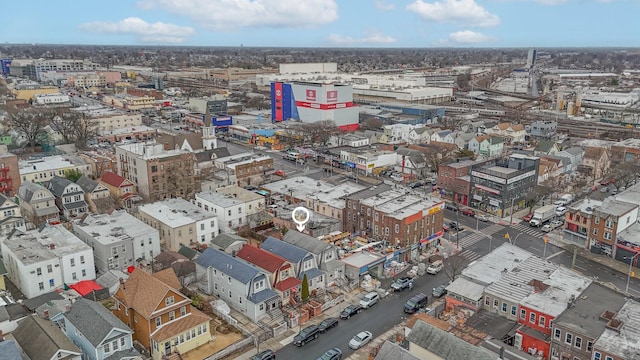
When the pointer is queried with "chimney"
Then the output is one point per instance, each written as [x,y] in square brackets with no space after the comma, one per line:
[67,307]
[52,246]
[166,146]
[45,314]
[122,283]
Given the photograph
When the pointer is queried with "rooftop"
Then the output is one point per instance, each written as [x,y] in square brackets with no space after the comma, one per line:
[47,163]
[624,343]
[615,207]
[241,194]
[445,345]
[502,170]
[238,269]
[176,212]
[127,130]
[399,204]
[562,286]
[150,150]
[241,159]
[584,316]
[114,227]
[221,199]
[585,206]
[360,259]
[491,267]
[370,191]
[53,241]
[304,187]
[517,283]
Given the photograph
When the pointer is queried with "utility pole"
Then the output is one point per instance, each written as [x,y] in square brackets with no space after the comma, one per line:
[573,261]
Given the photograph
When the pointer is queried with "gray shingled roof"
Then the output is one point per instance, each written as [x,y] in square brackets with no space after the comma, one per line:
[392,351]
[57,185]
[225,240]
[94,321]
[236,268]
[444,344]
[188,252]
[10,351]
[283,249]
[41,339]
[87,184]
[306,242]
[27,189]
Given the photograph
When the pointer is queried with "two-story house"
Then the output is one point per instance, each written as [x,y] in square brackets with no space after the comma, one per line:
[325,254]
[229,243]
[546,147]
[419,135]
[445,136]
[575,331]
[595,162]
[69,197]
[461,139]
[163,319]
[96,195]
[574,154]
[492,146]
[279,270]
[303,261]
[240,284]
[514,133]
[97,332]
[10,216]
[608,220]
[41,339]
[227,207]
[121,189]
[37,203]
[538,310]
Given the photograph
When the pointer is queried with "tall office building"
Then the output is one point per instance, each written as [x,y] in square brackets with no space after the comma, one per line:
[531,58]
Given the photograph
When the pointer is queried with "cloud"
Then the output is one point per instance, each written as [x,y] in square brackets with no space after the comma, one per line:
[372,37]
[225,15]
[468,37]
[384,6]
[157,32]
[466,12]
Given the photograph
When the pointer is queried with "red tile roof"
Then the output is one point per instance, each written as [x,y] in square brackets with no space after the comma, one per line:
[261,258]
[112,179]
[287,284]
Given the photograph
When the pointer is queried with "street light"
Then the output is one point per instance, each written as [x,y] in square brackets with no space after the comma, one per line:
[508,237]
[629,274]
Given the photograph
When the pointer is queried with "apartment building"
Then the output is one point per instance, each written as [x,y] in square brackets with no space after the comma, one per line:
[578,220]
[608,220]
[41,261]
[393,216]
[454,180]
[253,202]
[245,165]
[104,122]
[230,211]
[44,169]
[119,240]
[129,102]
[180,222]
[156,171]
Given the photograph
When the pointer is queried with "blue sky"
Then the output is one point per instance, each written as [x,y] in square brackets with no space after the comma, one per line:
[326,23]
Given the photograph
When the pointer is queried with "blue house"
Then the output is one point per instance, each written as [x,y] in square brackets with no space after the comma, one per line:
[304,261]
[238,283]
[98,333]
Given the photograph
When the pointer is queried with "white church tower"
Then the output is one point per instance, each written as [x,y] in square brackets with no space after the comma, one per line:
[209,140]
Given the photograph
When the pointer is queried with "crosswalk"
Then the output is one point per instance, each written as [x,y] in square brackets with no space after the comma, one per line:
[471,239]
[529,230]
[470,255]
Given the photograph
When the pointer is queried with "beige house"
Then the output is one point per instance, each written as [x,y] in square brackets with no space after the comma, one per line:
[513,133]
[595,162]
[37,203]
[96,195]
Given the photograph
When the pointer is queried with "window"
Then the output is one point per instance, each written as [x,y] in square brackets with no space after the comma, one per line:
[39,271]
[578,342]
[229,212]
[607,235]
[487,300]
[262,307]
[523,314]
[609,358]
[589,346]
[201,226]
[229,279]
[229,294]
[51,283]
[532,318]
[213,223]
[397,228]
[158,321]
[556,334]
[595,231]
[107,348]
[81,259]
[504,307]
[49,268]
[74,276]
[183,311]
[84,273]
[41,286]
[568,338]
[597,356]
[609,224]
[597,220]
[122,342]
[168,301]
[73,262]
[541,321]
[495,303]
[172,315]
[514,310]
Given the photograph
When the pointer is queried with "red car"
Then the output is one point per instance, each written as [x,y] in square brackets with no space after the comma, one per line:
[527,217]
[445,228]
[280,173]
[468,212]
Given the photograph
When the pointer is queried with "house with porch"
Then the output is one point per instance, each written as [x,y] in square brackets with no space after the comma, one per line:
[279,271]
[37,203]
[304,262]
[10,216]
[324,253]
[69,197]
[240,284]
[595,162]
[96,195]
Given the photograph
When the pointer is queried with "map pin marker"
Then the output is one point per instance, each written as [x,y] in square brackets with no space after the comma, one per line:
[300,216]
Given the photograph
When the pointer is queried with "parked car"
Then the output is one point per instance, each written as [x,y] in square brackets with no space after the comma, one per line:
[455,226]
[265,355]
[604,189]
[327,324]
[360,340]
[556,223]
[604,182]
[300,161]
[483,218]
[401,283]
[416,184]
[439,291]
[445,227]
[416,303]
[251,188]
[305,335]
[450,206]
[280,173]
[349,311]
[561,210]
[369,300]
[467,212]
[528,217]
[331,354]
[546,228]
[435,267]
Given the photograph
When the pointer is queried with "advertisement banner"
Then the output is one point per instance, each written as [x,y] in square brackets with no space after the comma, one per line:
[222,120]
[311,95]
[332,96]
[278,112]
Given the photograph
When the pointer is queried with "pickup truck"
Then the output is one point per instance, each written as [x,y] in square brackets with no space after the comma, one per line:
[542,215]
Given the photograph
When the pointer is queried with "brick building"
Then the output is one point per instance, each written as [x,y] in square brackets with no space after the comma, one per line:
[454,181]
[9,174]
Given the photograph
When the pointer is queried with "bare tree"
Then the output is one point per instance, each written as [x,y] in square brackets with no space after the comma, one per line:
[536,194]
[453,267]
[84,130]
[64,123]
[371,124]
[320,132]
[30,123]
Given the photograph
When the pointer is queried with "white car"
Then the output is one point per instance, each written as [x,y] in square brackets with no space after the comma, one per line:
[369,300]
[556,224]
[360,340]
[435,267]
[560,211]
[546,228]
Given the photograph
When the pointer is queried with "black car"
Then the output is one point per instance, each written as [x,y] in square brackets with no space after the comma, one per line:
[455,226]
[305,335]
[401,283]
[328,323]
[451,207]
[331,354]
[416,184]
[350,311]
[265,355]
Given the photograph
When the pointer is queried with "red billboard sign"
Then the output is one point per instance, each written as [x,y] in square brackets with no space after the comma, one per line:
[311,95]
[332,96]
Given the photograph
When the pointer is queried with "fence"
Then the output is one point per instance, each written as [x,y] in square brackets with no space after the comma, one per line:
[231,321]
[231,348]
[332,303]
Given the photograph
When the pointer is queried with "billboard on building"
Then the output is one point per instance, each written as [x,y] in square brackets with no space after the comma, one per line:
[222,121]
[5,66]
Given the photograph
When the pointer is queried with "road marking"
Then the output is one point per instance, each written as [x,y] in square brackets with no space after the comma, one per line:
[580,267]
[535,248]
[555,254]
[634,290]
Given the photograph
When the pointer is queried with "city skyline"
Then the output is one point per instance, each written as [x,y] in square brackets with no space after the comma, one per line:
[328,23]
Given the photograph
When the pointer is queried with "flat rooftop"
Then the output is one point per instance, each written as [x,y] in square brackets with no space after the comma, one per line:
[516,284]
[114,227]
[502,170]
[585,206]
[489,268]
[47,163]
[151,150]
[615,207]
[360,259]
[561,286]
[127,130]
[176,212]
[303,187]
[219,199]
[240,159]
[52,242]
[241,194]
[624,344]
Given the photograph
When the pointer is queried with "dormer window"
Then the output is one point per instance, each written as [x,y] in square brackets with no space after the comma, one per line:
[168,301]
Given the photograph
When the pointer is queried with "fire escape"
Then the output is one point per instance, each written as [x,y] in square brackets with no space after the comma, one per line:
[6,183]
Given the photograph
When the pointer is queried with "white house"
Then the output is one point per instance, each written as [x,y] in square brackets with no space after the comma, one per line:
[10,216]
[41,261]
[419,135]
[253,202]
[228,209]
[443,136]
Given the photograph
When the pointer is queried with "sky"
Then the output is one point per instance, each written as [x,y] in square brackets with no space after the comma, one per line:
[325,23]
